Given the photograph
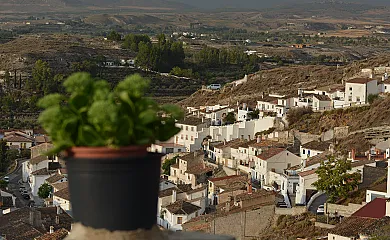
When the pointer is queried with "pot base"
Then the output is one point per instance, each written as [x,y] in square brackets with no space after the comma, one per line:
[115,194]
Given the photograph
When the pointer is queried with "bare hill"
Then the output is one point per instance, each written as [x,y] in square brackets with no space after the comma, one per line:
[284,80]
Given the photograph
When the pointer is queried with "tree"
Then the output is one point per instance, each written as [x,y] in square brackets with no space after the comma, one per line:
[42,78]
[230,118]
[372,98]
[166,166]
[3,184]
[335,179]
[3,156]
[44,190]
[114,36]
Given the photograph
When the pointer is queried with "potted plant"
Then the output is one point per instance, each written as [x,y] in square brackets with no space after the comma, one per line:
[104,135]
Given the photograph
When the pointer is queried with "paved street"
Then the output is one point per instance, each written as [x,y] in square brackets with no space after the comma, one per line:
[13,185]
[317,202]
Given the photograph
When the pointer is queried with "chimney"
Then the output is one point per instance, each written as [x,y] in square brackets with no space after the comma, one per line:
[227,208]
[35,218]
[51,230]
[388,180]
[258,139]
[57,219]
[353,154]
[224,141]
[388,207]
[250,183]
[59,210]
[174,195]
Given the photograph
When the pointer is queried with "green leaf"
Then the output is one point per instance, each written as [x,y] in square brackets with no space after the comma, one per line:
[50,100]
[87,136]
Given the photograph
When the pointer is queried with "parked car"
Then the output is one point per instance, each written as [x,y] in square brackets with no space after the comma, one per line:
[20,182]
[6,178]
[321,209]
[27,197]
[24,192]
[21,189]
[214,86]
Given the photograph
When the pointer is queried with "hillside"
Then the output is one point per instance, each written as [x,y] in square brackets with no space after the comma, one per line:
[283,80]
[9,6]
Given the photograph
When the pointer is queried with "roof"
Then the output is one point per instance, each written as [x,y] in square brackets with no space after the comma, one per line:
[192,156]
[169,145]
[7,202]
[38,159]
[351,226]
[265,143]
[228,144]
[270,153]
[380,228]
[55,178]
[64,194]
[225,178]
[57,235]
[184,187]
[360,80]
[317,145]
[268,99]
[322,97]
[168,192]
[331,88]
[362,163]
[42,139]
[317,159]
[15,225]
[379,188]
[40,172]
[199,169]
[16,138]
[307,173]
[193,121]
[60,185]
[374,209]
[181,207]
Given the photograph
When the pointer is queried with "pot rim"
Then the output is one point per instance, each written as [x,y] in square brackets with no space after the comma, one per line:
[106,152]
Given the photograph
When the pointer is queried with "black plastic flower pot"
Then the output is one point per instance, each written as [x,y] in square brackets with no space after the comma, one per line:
[114,192]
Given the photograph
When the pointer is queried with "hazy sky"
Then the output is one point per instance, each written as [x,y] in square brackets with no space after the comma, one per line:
[210,4]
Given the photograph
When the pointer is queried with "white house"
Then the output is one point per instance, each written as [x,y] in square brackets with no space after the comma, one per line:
[180,212]
[191,135]
[56,178]
[275,160]
[357,90]
[167,148]
[18,140]
[322,103]
[62,198]
[314,148]
[37,178]
[305,186]
[381,190]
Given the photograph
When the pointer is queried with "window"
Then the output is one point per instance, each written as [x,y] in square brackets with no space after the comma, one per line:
[181,136]
[303,151]
[192,138]
[177,139]
[357,99]
[350,98]
[186,137]
[244,150]
[169,150]
[179,150]
[192,129]
[189,177]
[350,89]
[196,214]
[288,165]
[179,220]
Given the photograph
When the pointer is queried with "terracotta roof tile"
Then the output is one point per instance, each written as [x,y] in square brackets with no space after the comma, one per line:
[16,138]
[322,97]
[55,178]
[265,143]
[379,188]
[316,145]
[38,159]
[307,173]
[57,235]
[181,207]
[270,153]
[228,144]
[63,193]
[362,162]
[199,169]
[60,186]
[40,172]
[360,80]
[42,139]
[351,227]
[184,187]
[318,159]
[379,229]
[374,209]
[225,178]
[192,121]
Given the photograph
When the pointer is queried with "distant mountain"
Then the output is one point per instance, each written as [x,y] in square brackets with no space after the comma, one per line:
[262,4]
[85,5]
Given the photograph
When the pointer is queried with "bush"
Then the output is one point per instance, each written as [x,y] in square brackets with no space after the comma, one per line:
[372,98]
[294,115]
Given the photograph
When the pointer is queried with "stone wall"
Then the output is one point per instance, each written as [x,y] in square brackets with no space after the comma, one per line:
[290,211]
[341,132]
[245,225]
[342,210]
[305,137]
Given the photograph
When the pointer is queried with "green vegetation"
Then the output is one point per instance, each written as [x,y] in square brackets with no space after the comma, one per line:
[128,118]
[132,41]
[44,191]
[229,118]
[295,115]
[114,36]
[166,166]
[335,180]
[3,184]
[372,98]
